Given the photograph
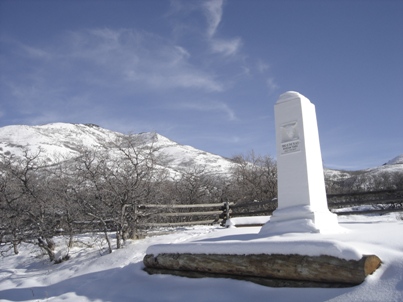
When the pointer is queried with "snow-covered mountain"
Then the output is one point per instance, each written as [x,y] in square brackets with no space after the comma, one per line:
[398,160]
[63,141]
[391,171]
[392,166]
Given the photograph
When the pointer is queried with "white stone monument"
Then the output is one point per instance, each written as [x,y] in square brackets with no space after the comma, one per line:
[302,202]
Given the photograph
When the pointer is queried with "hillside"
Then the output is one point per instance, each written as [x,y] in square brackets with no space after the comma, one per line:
[390,171]
[398,160]
[63,141]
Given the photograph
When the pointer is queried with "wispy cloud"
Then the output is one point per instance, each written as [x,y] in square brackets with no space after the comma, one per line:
[262,66]
[35,52]
[213,12]
[271,85]
[121,59]
[72,77]
[213,106]
[141,57]
[227,47]
[263,69]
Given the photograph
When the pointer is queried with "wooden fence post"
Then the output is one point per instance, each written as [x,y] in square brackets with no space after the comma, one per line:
[225,213]
[227,210]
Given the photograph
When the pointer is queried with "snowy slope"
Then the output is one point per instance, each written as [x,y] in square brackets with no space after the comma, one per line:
[55,140]
[62,141]
[394,165]
[395,161]
[91,275]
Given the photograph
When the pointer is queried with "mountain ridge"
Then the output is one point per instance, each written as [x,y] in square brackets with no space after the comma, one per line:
[67,139]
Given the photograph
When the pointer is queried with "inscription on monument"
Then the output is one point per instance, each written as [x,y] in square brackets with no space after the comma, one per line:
[290,147]
[289,138]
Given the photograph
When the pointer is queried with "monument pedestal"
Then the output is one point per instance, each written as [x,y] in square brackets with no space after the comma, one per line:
[302,202]
[301,219]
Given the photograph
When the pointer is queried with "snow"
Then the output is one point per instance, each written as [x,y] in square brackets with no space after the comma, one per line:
[92,275]
[63,140]
[290,95]
[397,160]
[336,174]
[55,140]
[233,222]
[60,141]
[301,219]
[242,244]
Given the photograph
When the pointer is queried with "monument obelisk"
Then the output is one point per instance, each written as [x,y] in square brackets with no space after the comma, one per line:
[302,202]
[302,208]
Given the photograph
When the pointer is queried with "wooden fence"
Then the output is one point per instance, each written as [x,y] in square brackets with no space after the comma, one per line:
[153,216]
[182,214]
[377,202]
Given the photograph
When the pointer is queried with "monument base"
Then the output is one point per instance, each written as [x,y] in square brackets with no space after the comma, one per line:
[301,219]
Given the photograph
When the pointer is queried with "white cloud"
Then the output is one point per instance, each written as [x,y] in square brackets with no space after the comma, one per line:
[149,59]
[226,47]
[271,85]
[262,66]
[124,59]
[36,52]
[213,12]
[215,106]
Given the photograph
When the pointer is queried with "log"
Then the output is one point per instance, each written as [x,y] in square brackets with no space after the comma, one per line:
[258,280]
[298,268]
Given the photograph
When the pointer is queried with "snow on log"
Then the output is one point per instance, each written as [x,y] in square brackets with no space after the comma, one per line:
[298,268]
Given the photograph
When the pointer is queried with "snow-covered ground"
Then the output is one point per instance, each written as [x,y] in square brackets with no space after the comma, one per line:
[91,275]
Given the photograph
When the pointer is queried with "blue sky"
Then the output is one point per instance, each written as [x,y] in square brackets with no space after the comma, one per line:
[208,73]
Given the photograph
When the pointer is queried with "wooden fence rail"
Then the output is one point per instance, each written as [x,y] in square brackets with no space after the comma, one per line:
[195,213]
[181,206]
[380,201]
[366,193]
[172,215]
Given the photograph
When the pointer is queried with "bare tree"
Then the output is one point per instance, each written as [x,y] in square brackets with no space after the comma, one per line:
[113,181]
[133,180]
[193,186]
[30,208]
[88,189]
[255,177]
[63,187]
[11,209]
